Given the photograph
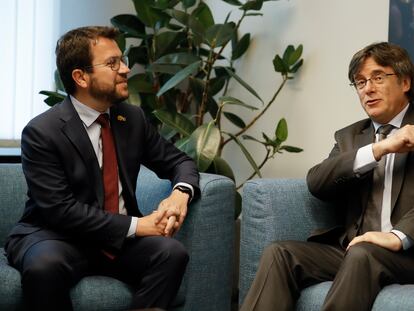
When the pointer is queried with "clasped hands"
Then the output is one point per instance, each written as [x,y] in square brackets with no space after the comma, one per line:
[167,219]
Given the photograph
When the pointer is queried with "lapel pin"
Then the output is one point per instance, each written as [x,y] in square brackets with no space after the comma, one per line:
[121,118]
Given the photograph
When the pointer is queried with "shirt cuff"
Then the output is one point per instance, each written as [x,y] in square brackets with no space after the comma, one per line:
[132,227]
[364,160]
[406,241]
[187,186]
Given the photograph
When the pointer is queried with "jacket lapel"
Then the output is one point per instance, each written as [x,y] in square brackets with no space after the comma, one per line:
[399,162]
[365,137]
[76,133]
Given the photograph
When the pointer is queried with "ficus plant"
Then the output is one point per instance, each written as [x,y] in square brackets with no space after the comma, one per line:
[183,65]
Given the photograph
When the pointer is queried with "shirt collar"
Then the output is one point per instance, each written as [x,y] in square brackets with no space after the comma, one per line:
[86,114]
[396,121]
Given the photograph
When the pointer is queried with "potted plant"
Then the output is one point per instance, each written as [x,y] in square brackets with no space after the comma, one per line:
[182,76]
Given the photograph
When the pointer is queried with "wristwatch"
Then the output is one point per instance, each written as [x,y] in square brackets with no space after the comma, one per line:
[184,189]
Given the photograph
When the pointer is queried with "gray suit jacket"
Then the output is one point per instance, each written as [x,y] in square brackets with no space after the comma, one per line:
[334,180]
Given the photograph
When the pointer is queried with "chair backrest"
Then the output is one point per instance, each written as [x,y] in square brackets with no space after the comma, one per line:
[13,196]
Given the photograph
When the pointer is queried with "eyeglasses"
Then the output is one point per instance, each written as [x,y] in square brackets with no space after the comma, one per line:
[376,79]
[114,63]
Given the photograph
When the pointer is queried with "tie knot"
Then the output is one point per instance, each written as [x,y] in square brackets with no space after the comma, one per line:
[103,120]
[384,130]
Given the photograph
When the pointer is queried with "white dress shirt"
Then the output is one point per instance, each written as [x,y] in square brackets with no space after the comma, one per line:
[88,117]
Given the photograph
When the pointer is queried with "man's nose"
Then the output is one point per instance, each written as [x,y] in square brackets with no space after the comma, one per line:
[124,68]
[369,86]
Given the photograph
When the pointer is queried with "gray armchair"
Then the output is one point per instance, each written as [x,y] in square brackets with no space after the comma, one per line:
[283,209]
[207,234]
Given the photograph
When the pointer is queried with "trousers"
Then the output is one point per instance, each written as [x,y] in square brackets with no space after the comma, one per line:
[357,274]
[153,265]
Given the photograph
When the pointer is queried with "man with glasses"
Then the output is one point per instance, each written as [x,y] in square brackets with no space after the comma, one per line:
[369,176]
[81,160]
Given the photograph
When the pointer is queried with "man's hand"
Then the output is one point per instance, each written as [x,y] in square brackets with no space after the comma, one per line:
[149,225]
[386,240]
[399,142]
[173,210]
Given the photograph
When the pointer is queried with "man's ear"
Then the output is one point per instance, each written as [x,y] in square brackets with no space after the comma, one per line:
[406,82]
[81,78]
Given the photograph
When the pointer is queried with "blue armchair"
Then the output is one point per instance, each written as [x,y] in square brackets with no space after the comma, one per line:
[283,209]
[207,234]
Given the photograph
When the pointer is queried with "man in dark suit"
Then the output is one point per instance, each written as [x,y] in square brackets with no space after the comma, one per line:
[82,216]
[371,247]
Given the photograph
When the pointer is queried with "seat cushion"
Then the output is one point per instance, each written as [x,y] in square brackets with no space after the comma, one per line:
[393,297]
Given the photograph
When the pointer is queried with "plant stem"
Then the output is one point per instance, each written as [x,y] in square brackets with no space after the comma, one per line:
[261,113]
[254,172]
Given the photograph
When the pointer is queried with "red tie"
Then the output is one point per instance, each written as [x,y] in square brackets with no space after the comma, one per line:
[109,166]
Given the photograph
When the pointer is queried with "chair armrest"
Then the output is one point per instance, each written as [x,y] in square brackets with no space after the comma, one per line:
[207,234]
[276,210]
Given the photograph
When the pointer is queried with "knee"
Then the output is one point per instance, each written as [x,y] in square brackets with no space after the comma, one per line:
[173,251]
[44,268]
[360,253]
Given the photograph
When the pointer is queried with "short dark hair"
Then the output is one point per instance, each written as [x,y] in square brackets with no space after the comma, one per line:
[73,50]
[387,55]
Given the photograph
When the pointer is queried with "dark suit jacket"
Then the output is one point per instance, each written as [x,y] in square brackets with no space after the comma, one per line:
[334,180]
[65,183]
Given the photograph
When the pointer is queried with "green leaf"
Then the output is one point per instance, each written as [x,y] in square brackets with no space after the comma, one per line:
[282,130]
[203,14]
[246,154]
[180,76]
[216,84]
[286,54]
[138,55]
[248,137]
[165,4]
[233,2]
[167,132]
[296,67]
[188,3]
[58,82]
[121,42]
[235,119]
[237,205]
[205,140]
[252,5]
[254,14]
[244,84]
[218,35]
[182,59]
[180,16]
[221,167]
[129,24]
[53,97]
[176,121]
[139,84]
[291,149]
[149,15]
[241,47]
[280,65]
[228,100]
[295,55]
[167,41]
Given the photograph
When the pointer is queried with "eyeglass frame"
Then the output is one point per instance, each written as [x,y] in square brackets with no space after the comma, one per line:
[381,75]
[124,59]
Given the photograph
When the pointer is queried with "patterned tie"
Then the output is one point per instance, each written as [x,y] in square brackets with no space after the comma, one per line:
[372,216]
[109,166]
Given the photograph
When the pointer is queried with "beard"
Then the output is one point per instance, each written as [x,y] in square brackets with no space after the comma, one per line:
[107,93]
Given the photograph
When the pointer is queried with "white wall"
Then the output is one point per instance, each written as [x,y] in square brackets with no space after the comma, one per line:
[318,101]
[77,13]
